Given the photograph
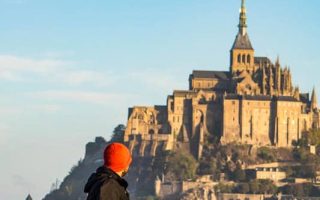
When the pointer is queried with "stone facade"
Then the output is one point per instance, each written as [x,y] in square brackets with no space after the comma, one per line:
[254,102]
[174,189]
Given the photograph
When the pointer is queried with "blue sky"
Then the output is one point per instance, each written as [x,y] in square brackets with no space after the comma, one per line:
[70,69]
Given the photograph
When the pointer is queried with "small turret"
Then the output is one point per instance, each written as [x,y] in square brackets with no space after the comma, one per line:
[296,94]
[314,103]
[278,75]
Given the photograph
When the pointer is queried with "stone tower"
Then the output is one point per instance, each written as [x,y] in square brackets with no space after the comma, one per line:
[242,53]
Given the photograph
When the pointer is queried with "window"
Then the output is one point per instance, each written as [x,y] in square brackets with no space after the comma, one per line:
[248,58]
[239,58]
[243,58]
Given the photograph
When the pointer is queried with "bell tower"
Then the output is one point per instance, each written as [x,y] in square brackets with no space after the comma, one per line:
[242,53]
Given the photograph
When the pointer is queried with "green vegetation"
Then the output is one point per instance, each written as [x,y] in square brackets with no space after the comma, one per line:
[224,188]
[216,159]
[311,137]
[252,187]
[310,163]
[267,154]
[301,190]
[210,166]
[118,133]
[182,165]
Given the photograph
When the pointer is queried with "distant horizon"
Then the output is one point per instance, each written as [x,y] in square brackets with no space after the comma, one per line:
[69,71]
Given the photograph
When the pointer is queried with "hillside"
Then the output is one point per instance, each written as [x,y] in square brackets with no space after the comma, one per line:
[232,160]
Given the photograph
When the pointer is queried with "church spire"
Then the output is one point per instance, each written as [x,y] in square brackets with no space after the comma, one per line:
[314,103]
[242,52]
[243,19]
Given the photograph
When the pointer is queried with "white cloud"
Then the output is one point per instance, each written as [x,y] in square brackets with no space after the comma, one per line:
[19,64]
[14,68]
[4,134]
[6,111]
[20,181]
[48,108]
[160,79]
[83,76]
[85,96]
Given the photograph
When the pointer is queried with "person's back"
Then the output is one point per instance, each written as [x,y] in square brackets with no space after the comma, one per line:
[107,183]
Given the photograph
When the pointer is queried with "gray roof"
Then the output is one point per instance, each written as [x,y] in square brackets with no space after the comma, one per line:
[262,60]
[249,97]
[222,75]
[286,98]
[242,42]
[183,93]
[304,97]
[260,97]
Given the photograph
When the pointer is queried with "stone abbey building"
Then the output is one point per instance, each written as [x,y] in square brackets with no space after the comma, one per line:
[254,102]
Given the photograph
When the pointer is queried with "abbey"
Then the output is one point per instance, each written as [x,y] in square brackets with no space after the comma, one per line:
[253,103]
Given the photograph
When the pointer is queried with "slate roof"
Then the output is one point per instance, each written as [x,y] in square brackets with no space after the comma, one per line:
[222,75]
[304,97]
[263,60]
[242,42]
[260,97]
[249,97]
[286,98]
[183,93]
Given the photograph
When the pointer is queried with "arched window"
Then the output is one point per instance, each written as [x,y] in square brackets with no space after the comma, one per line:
[239,58]
[243,58]
[248,58]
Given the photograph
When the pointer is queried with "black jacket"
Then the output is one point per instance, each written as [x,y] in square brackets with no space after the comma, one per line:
[106,185]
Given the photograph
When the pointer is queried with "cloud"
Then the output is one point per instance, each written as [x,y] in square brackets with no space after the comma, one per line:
[85,96]
[48,108]
[20,181]
[50,69]
[159,79]
[13,68]
[4,134]
[20,64]
[84,76]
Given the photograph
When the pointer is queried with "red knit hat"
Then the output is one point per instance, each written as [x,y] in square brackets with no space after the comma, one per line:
[117,157]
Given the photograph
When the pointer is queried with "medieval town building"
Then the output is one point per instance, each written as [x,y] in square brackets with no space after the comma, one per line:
[253,103]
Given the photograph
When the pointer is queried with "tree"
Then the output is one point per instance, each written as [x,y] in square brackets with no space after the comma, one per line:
[310,163]
[239,175]
[223,188]
[182,165]
[29,197]
[314,137]
[262,187]
[243,188]
[301,190]
[254,187]
[266,154]
[208,166]
[118,133]
[267,187]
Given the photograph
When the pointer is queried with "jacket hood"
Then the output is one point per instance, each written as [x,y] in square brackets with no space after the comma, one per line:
[101,175]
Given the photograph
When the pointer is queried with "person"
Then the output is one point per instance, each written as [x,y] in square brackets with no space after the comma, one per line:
[107,182]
